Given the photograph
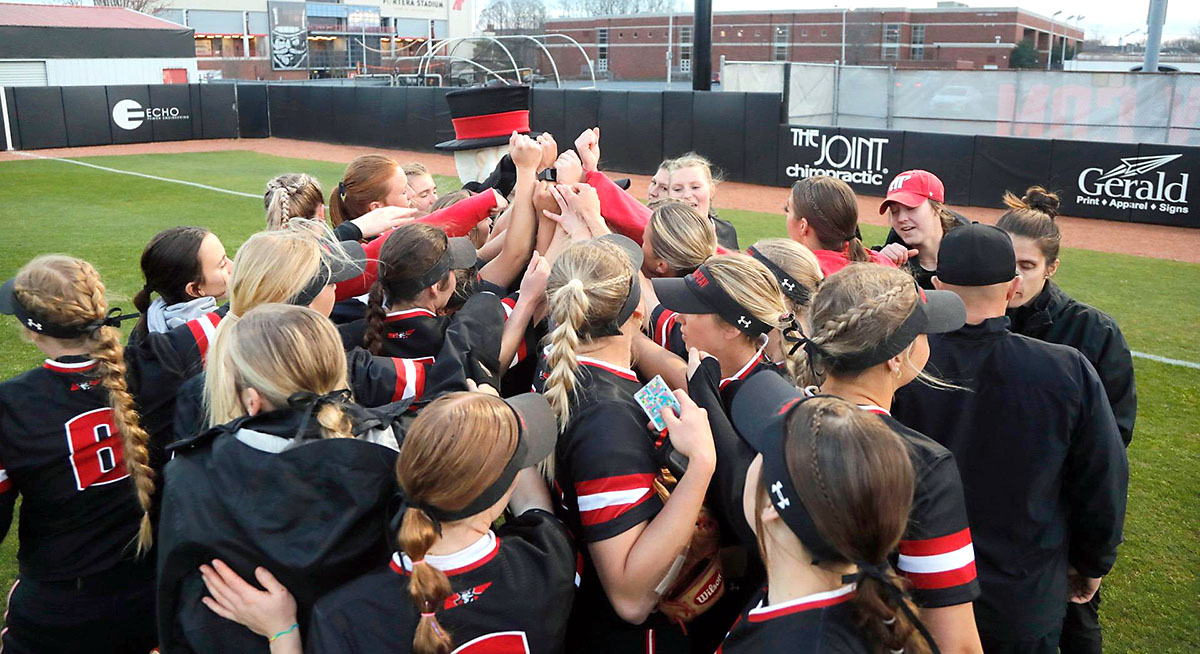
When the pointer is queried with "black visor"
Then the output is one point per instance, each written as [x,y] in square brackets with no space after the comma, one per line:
[698,293]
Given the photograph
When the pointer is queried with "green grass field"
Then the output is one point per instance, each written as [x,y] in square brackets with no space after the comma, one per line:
[1152,597]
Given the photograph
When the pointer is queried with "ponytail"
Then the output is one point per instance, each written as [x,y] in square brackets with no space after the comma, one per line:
[855,250]
[881,608]
[428,586]
[373,336]
[141,302]
[277,208]
[569,307]
[367,179]
[338,213]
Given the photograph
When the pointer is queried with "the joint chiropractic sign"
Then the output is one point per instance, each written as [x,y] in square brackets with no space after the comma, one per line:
[864,159]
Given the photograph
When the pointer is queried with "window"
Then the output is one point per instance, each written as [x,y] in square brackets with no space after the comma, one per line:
[803,33]
[602,50]
[685,49]
[918,42]
[782,34]
[891,41]
[824,32]
[722,33]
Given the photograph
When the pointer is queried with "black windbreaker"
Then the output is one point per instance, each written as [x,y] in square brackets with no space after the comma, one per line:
[1043,469]
[315,514]
[1055,317]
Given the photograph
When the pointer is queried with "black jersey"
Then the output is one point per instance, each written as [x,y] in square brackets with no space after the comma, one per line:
[512,593]
[758,363]
[821,623]
[312,511]
[60,451]
[667,331]
[410,334]
[604,477]
[936,553]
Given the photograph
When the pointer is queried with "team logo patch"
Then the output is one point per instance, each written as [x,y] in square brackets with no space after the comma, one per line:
[400,335]
[464,597]
[82,386]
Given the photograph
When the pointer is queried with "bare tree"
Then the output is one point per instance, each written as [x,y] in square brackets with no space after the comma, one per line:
[589,8]
[513,15]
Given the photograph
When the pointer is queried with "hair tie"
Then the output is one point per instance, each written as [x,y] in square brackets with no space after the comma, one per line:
[417,562]
[890,621]
[111,319]
[311,403]
[342,189]
[793,333]
[893,593]
[427,615]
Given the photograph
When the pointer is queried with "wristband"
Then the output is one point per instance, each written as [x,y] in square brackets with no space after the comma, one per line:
[283,633]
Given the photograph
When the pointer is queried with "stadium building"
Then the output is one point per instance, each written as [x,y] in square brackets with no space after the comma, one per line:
[312,39]
[951,36]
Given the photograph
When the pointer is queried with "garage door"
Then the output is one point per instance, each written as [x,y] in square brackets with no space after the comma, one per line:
[22,73]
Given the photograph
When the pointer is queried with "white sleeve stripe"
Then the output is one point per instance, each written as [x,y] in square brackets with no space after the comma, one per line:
[3,475]
[210,330]
[606,499]
[937,562]
[507,310]
[410,379]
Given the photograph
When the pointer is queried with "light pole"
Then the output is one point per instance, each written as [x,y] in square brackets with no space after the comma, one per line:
[1050,50]
[1063,57]
[844,10]
[1154,21]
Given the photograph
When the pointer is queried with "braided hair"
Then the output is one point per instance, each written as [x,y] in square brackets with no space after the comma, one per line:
[68,291]
[291,195]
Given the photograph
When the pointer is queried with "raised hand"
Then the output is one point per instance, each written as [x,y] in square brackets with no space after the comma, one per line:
[549,149]
[588,146]
[525,152]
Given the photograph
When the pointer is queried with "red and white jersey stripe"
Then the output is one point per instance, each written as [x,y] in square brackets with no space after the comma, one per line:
[938,562]
[808,602]
[744,371]
[204,330]
[408,313]
[5,482]
[410,378]
[601,500]
[69,367]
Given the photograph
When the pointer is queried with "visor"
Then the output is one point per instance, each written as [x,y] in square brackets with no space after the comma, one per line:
[537,433]
[792,289]
[936,312]
[459,255]
[9,305]
[634,252]
[760,413]
[349,262]
[698,293]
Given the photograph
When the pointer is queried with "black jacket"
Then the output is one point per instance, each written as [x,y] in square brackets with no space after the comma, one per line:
[726,232]
[1055,317]
[315,514]
[1043,469]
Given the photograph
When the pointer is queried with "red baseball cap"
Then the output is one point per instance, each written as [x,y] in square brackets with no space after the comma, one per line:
[912,187]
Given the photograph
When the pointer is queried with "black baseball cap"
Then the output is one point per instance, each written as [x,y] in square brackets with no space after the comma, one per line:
[976,255]
[700,293]
[760,413]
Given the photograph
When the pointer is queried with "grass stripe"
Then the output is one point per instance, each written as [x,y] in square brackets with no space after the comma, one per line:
[128,172]
[1167,360]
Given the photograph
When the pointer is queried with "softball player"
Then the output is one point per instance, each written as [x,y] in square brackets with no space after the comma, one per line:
[72,449]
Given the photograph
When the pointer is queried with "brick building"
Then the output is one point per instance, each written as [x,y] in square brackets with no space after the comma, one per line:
[635,46]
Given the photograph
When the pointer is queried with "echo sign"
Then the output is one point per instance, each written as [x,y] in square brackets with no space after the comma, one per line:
[129,114]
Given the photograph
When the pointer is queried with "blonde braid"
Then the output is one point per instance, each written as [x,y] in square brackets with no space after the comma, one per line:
[831,329]
[81,300]
[568,311]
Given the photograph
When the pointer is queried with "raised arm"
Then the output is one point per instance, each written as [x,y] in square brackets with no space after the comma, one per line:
[522,225]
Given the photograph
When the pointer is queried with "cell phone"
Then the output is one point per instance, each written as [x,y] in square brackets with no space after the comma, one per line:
[655,396]
[548,175]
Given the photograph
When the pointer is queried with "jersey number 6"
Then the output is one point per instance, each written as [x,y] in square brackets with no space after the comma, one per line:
[96,453]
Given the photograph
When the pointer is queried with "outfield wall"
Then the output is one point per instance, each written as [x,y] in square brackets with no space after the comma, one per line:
[740,132]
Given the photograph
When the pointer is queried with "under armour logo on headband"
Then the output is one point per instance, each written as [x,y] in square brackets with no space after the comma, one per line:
[777,489]
[36,326]
[788,285]
[744,322]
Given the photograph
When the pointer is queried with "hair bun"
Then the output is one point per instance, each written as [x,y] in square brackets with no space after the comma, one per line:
[1040,199]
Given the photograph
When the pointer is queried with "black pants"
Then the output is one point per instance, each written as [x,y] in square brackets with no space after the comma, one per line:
[1081,628]
[1047,644]
[105,614]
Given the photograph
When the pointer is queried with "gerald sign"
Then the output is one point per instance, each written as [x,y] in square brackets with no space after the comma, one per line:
[1137,184]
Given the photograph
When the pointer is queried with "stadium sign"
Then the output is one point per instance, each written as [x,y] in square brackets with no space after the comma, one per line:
[864,159]
[1137,184]
[129,114]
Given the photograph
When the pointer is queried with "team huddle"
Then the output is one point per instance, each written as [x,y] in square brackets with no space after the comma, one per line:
[537,415]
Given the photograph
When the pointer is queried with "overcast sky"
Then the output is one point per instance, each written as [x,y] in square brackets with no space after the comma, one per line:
[1102,18]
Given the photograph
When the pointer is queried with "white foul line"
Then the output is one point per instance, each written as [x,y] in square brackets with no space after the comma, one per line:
[1168,361]
[4,116]
[129,172]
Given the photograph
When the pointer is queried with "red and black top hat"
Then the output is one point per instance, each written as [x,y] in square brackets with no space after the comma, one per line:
[487,116]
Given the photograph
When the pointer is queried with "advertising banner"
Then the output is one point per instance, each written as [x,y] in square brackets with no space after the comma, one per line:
[288,22]
[863,158]
[1150,183]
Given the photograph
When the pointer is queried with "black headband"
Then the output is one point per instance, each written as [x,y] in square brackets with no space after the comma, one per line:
[426,279]
[710,292]
[794,290]
[489,496]
[313,288]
